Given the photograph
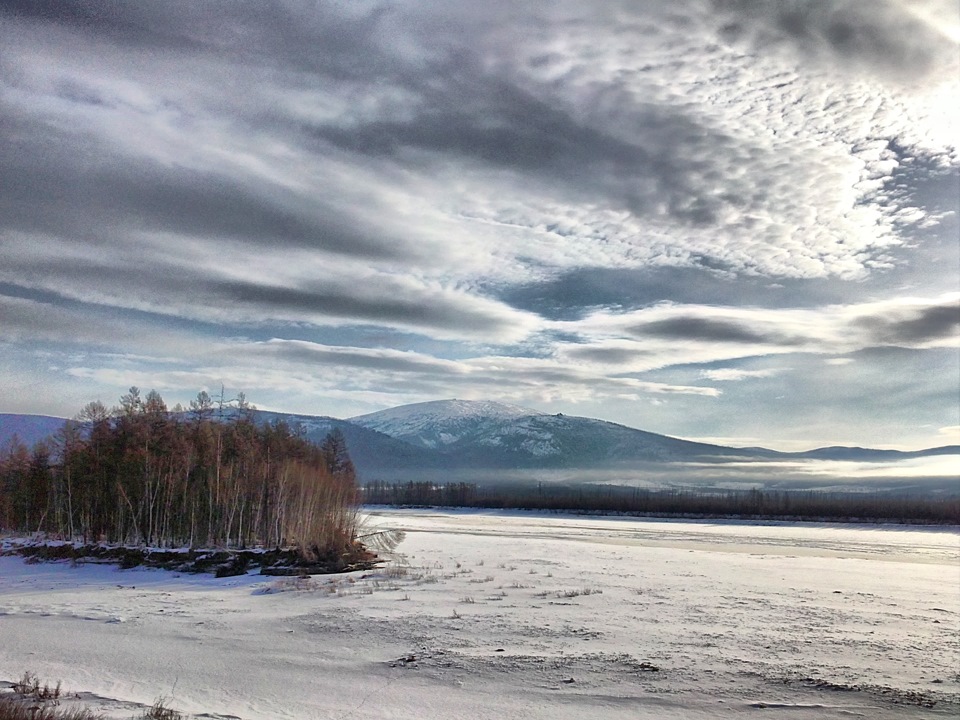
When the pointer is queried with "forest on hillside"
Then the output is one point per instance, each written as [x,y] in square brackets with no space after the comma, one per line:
[206,476]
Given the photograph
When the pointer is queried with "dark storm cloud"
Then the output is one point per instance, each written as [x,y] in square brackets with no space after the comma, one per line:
[477,118]
[310,354]
[307,37]
[372,304]
[573,294]
[605,355]
[52,188]
[937,322]
[76,326]
[704,329]
[166,287]
[124,23]
[879,37]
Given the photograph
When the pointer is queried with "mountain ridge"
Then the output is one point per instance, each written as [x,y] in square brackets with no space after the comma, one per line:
[459,435]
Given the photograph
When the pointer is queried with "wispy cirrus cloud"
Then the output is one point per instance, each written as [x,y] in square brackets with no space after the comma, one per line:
[735,374]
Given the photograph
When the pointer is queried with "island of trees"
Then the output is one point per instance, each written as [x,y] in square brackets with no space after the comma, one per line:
[204,476]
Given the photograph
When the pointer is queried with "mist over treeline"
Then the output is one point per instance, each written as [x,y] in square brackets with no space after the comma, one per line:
[752,503]
[208,475]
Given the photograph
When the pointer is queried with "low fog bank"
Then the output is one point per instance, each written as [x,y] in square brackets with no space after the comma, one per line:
[916,476]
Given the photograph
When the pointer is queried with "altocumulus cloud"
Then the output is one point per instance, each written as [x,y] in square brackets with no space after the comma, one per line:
[548,203]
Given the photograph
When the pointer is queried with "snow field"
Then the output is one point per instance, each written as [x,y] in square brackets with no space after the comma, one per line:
[513,615]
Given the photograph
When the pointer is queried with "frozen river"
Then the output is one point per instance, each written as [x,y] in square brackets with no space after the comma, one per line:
[517,615]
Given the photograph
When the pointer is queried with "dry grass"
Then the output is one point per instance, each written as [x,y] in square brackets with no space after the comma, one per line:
[160,711]
[31,700]
[18,708]
[577,592]
[294,583]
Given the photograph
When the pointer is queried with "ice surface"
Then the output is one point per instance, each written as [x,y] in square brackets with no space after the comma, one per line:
[520,615]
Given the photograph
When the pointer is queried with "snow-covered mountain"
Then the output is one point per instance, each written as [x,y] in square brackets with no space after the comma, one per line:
[478,434]
[444,423]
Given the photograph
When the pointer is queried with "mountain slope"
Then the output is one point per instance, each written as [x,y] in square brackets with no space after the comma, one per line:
[371,451]
[442,424]
[496,435]
[29,429]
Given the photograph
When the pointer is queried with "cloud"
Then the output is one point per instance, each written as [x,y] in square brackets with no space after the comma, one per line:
[187,280]
[606,354]
[478,118]
[383,301]
[952,432]
[699,328]
[115,193]
[936,322]
[599,164]
[308,354]
[672,333]
[76,328]
[734,374]
[884,38]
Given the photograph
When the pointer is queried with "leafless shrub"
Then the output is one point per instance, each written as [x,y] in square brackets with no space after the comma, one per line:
[29,687]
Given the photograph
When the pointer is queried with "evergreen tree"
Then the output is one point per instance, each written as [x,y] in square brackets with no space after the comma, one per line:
[335,453]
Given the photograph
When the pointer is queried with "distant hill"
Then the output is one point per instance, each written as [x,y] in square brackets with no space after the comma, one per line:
[30,429]
[449,439]
[859,454]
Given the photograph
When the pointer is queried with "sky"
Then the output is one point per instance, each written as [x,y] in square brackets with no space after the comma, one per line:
[725,220]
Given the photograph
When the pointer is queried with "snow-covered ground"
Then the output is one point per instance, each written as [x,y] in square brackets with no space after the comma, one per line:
[517,615]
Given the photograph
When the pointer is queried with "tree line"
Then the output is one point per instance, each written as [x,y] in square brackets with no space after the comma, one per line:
[205,476]
[808,504]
